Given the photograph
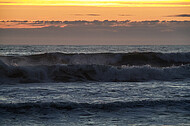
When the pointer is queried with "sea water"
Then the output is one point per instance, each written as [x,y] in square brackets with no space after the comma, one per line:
[94,85]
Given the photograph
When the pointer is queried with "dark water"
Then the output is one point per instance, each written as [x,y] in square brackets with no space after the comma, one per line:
[94,85]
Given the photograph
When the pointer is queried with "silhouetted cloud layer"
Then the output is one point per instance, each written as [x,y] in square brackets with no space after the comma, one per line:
[95,32]
[87,14]
[84,22]
[180,15]
[124,15]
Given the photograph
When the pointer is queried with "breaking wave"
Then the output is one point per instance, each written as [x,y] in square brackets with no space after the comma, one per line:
[114,59]
[100,73]
[101,67]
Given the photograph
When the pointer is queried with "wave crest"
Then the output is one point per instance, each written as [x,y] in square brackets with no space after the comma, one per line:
[115,59]
[100,73]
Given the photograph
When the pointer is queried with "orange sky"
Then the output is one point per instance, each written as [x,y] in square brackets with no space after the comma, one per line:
[102,3]
[91,13]
[151,32]
[135,10]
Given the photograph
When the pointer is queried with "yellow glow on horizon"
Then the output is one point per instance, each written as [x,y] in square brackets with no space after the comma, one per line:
[101,3]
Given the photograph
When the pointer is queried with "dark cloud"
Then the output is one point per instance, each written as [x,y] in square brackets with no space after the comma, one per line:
[17,21]
[78,14]
[93,14]
[100,32]
[180,15]
[111,23]
[95,22]
[86,14]
[124,15]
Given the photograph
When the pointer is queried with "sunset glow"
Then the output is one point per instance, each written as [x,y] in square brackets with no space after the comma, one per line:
[89,10]
[101,3]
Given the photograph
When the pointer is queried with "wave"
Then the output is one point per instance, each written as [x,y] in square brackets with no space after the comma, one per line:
[33,106]
[83,73]
[114,59]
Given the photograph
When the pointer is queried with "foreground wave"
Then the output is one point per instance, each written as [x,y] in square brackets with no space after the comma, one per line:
[100,73]
[114,59]
[19,107]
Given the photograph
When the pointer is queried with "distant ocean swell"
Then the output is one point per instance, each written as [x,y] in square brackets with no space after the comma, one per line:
[100,73]
[24,107]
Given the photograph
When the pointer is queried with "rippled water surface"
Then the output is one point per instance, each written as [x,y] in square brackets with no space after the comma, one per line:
[156,103]
[94,85]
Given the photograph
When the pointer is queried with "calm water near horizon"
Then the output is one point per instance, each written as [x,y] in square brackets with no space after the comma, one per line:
[94,85]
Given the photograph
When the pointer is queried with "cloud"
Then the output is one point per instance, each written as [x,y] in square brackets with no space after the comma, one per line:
[86,14]
[88,22]
[110,23]
[78,14]
[93,14]
[180,15]
[124,15]
[98,32]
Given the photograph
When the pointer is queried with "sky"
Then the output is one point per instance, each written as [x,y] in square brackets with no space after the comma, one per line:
[116,22]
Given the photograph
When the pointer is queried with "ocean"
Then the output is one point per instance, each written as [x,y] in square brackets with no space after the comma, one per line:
[54,85]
